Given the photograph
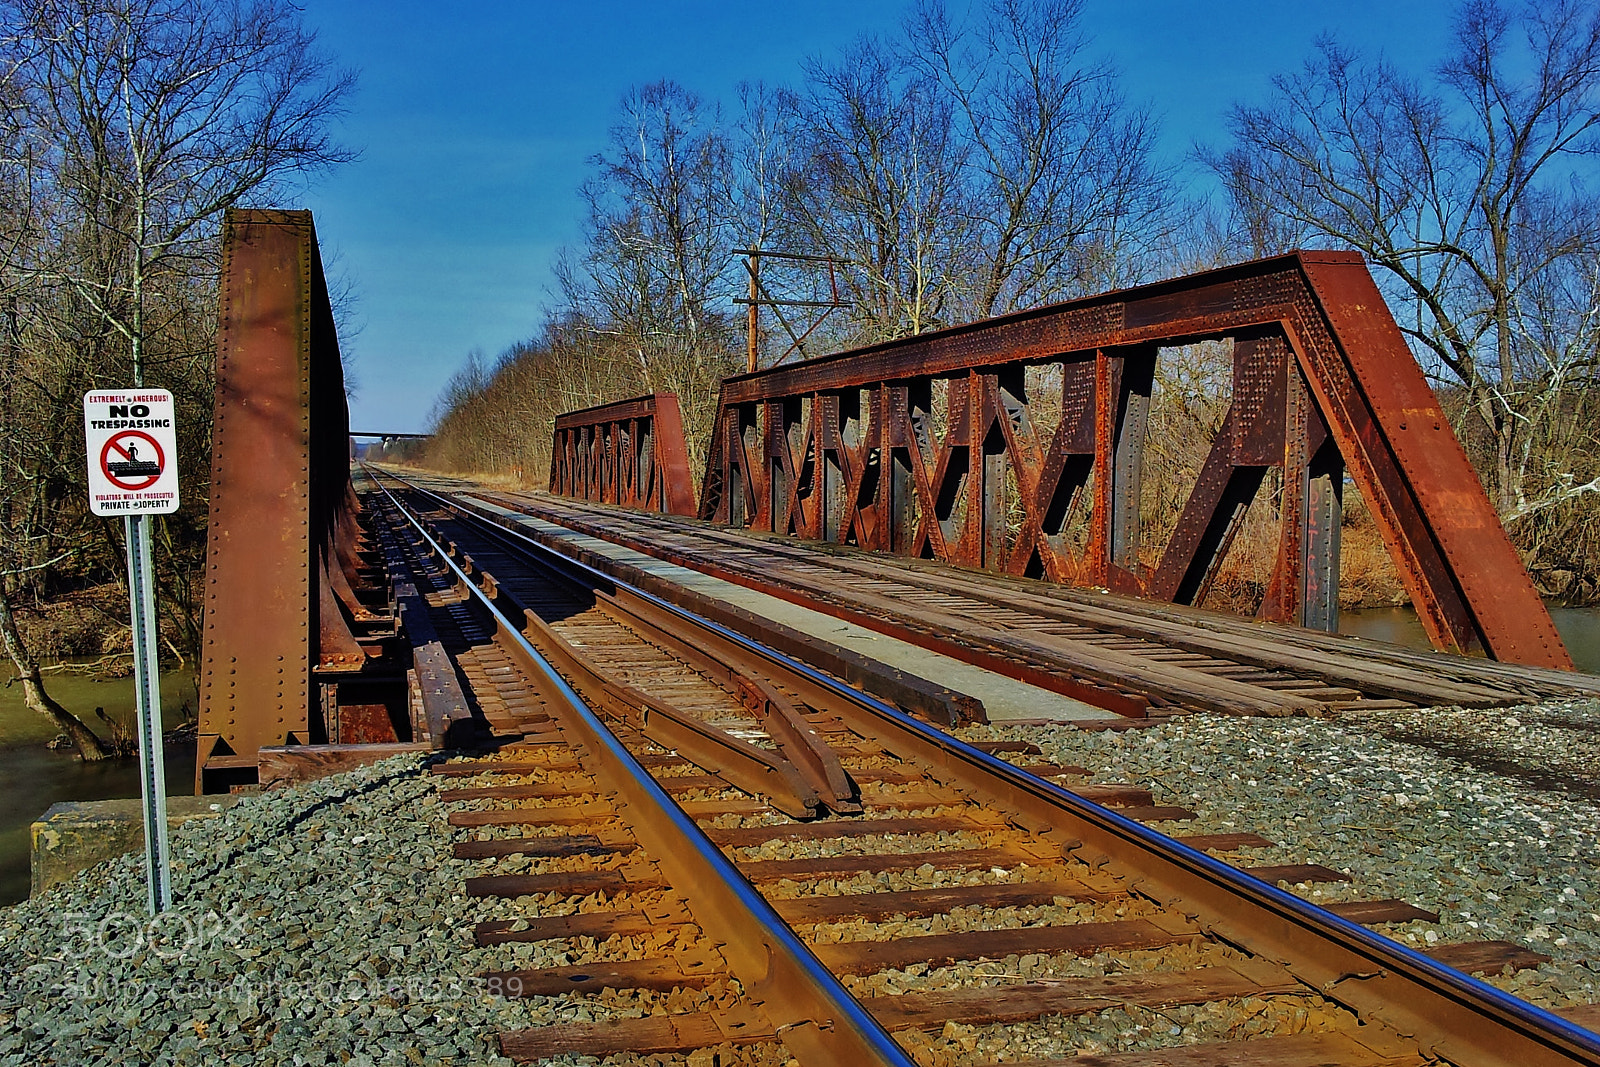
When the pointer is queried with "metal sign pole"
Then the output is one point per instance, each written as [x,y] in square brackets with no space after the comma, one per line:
[130,440]
[147,684]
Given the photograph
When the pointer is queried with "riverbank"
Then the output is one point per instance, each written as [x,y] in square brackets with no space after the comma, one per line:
[81,623]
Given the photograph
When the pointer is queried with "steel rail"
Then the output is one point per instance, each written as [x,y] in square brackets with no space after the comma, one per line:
[768,774]
[800,747]
[1451,1014]
[815,1016]
[790,784]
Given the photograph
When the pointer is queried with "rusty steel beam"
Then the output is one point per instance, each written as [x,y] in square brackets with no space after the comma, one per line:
[290,611]
[1016,444]
[630,452]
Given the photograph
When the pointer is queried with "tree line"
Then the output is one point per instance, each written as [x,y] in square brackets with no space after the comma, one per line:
[127,127]
[986,160]
[963,169]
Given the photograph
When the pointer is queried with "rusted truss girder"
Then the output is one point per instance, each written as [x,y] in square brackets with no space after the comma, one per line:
[1016,444]
[285,625]
[630,452]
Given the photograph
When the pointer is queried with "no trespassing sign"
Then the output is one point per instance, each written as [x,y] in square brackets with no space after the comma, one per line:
[132,443]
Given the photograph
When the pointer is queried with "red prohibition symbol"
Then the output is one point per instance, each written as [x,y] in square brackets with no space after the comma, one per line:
[125,463]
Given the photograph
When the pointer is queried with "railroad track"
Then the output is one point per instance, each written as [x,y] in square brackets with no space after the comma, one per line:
[1135,657]
[652,832]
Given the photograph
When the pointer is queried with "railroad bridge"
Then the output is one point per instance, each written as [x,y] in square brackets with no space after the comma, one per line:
[884,542]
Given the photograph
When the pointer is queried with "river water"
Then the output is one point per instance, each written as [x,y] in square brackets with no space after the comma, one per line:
[33,777]
[1579,628]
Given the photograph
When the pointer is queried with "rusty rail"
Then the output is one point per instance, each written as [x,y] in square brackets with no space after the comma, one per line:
[1410,1005]
[1016,444]
[817,1016]
[630,452]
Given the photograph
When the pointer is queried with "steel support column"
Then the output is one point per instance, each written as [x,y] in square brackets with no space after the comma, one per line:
[284,612]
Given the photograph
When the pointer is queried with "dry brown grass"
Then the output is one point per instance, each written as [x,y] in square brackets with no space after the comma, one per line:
[1367,574]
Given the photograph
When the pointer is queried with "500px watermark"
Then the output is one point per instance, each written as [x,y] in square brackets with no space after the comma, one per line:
[262,992]
[168,934]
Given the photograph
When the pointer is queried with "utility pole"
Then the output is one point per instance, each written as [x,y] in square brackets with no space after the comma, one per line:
[752,264]
[759,297]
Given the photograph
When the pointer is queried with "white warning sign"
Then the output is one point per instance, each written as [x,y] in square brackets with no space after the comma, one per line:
[132,442]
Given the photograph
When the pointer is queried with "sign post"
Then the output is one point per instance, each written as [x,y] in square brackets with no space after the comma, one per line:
[132,444]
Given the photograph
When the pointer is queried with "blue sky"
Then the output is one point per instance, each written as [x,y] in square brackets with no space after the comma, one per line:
[475,130]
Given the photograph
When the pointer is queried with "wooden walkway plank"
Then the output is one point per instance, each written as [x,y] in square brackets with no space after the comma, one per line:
[568,883]
[596,924]
[1371,912]
[1486,957]
[1297,872]
[1224,842]
[659,974]
[833,866]
[566,845]
[651,1034]
[1077,996]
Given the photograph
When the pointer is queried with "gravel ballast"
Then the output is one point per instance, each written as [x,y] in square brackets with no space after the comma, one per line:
[1484,816]
[321,925]
[328,924]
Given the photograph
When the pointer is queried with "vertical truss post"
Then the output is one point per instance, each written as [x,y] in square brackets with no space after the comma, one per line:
[738,484]
[901,483]
[994,510]
[1324,517]
[750,463]
[1127,465]
[774,424]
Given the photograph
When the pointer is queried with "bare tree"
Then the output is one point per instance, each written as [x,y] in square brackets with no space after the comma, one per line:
[975,165]
[660,241]
[762,153]
[962,169]
[500,420]
[135,122]
[1463,190]
[150,118]
[1063,193]
[877,183]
